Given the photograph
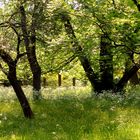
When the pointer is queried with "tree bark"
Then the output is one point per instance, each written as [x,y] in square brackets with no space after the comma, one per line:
[126,76]
[11,75]
[92,77]
[137,4]
[73,81]
[29,42]
[134,80]
[106,64]
[19,92]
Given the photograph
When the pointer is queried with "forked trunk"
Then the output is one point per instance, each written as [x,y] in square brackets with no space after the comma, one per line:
[105,82]
[12,77]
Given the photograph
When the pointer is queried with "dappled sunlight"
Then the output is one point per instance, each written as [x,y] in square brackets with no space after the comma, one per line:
[69,70]
[69,116]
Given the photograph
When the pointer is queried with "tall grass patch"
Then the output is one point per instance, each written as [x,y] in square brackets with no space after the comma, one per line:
[72,114]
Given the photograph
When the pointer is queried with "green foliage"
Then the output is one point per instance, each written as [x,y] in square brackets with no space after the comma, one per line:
[89,19]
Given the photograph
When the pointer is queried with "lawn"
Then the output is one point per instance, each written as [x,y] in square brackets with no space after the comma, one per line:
[71,114]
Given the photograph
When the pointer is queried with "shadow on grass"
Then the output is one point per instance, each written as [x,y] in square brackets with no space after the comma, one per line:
[69,119]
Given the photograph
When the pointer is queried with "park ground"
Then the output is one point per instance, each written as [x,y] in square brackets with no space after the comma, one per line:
[71,114]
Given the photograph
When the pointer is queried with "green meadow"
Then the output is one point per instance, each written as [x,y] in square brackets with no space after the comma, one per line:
[71,114]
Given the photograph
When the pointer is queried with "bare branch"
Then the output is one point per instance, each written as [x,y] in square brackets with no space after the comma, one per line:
[18,44]
[13,15]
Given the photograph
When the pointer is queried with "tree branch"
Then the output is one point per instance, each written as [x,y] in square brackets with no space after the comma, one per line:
[137,4]
[4,24]
[62,64]
[19,55]
[126,76]
[78,51]
[24,26]
[113,1]
[6,57]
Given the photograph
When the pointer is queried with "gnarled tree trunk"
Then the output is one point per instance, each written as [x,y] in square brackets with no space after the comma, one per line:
[11,75]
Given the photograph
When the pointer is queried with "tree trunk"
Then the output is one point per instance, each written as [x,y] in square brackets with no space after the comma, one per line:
[31,53]
[106,64]
[19,92]
[73,81]
[92,77]
[36,71]
[134,80]
[137,4]
[123,81]
[11,75]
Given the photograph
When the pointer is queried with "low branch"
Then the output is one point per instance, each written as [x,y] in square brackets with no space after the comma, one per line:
[18,39]
[66,62]
[19,55]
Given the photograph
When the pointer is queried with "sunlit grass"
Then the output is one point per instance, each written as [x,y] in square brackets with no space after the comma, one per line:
[71,114]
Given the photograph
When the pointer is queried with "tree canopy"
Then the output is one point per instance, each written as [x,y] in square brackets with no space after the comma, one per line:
[100,37]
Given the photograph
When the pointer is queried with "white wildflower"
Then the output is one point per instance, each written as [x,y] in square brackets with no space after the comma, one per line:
[5,118]
[54,133]
[57,125]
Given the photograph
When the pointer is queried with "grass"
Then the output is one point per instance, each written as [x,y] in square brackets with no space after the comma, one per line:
[71,114]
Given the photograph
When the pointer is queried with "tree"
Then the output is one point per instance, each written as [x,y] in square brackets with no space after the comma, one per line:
[29,41]
[27,33]
[12,77]
[100,34]
[104,79]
